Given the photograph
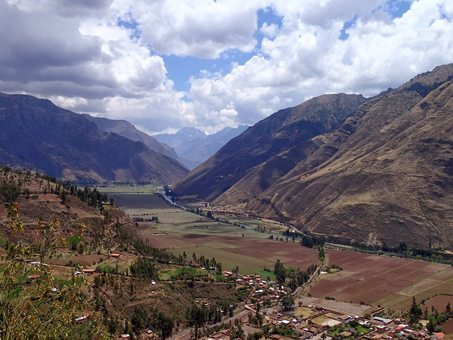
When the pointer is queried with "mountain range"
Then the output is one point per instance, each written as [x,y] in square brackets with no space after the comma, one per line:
[194,146]
[36,134]
[129,131]
[368,170]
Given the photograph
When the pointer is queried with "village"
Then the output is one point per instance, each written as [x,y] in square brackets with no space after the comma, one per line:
[272,311]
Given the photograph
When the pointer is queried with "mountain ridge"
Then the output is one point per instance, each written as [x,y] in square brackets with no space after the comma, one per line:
[36,134]
[363,181]
[129,131]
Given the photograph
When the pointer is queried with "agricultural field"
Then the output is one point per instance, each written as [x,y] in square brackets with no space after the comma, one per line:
[244,242]
[382,280]
[439,302]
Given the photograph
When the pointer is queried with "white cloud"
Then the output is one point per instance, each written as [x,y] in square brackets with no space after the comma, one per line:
[77,54]
[203,28]
[307,58]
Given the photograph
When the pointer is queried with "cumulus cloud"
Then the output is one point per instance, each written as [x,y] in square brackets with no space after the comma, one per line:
[307,58]
[107,57]
[203,28]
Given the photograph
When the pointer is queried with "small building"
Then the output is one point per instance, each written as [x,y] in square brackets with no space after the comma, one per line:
[88,270]
[400,327]
[381,329]
[383,320]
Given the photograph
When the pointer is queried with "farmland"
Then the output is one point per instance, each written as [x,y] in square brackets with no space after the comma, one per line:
[233,245]
[244,242]
[382,280]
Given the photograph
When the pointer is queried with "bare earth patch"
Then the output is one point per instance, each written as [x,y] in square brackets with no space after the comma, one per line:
[383,280]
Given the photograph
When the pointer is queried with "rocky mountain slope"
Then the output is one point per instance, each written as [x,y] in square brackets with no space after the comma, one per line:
[37,134]
[129,131]
[193,146]
[384,175]
[269,149]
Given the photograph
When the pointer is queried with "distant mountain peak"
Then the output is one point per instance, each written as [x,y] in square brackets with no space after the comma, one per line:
[191,132]
[194,146]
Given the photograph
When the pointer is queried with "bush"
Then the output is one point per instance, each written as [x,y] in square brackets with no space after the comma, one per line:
[10,192]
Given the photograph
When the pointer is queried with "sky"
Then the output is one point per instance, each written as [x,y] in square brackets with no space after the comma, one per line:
[167,64]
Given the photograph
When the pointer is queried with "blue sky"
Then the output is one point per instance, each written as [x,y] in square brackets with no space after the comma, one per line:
[180,69]
[166,64]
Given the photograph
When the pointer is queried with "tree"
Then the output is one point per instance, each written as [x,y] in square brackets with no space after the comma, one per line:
[280,272]
[165,324]
[307,241]
[321,253]
[196,316]
[9,192]
[402,248]
[145,268]
[415,312]
[236,331]
[431,326]
[287,302]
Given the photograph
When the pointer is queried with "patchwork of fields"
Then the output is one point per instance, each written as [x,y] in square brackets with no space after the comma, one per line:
[182,231]
[382,280]
[370,279]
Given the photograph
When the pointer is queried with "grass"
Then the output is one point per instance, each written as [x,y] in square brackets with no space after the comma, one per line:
[336,331]
[106,268]
[266,274]
[362,330]
[229,260]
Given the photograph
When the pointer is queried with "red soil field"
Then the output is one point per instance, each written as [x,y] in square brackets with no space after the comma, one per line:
[447,327]
[439,302]
[291,254]
[369,278]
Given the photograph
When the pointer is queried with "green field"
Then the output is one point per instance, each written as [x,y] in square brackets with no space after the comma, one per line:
[229,260]
[231,244]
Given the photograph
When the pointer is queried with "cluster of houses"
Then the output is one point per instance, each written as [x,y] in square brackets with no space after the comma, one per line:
[261,289]
[317,318]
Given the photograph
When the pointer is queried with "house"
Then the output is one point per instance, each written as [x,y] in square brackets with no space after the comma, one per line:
[381,329]
[400,327]
[383,320]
